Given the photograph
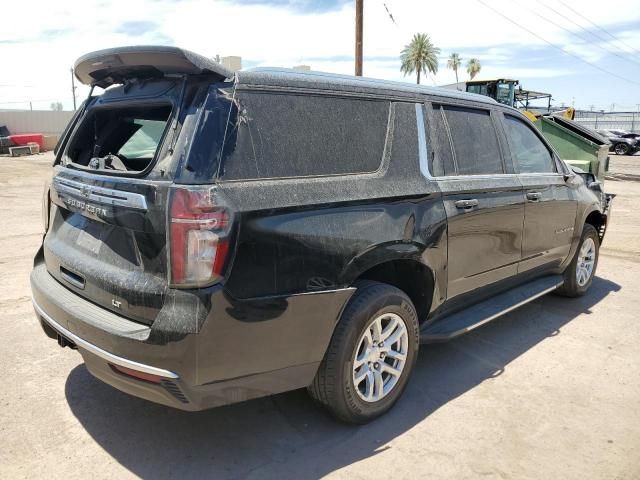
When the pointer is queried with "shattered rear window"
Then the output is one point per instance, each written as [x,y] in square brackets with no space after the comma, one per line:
[119,138]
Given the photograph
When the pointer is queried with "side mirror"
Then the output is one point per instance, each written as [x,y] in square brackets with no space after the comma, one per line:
[595,185]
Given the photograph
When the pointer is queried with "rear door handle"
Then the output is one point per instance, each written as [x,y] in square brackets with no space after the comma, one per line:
[534,196]
[466,203]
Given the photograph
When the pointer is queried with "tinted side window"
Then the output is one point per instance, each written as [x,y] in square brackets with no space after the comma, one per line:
[531,154]
[475,143]
[404,148]
[279,135]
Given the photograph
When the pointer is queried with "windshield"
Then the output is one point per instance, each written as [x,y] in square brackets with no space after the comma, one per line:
[144,142]
[505,93]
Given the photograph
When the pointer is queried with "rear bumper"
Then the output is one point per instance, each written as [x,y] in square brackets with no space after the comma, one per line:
[197,370]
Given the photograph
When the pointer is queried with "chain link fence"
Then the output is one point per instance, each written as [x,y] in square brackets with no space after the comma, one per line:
[609,120]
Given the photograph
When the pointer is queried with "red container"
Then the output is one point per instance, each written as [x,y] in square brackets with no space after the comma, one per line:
[25,138]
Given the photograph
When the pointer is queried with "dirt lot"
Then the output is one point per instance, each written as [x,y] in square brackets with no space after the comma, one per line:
[551,390]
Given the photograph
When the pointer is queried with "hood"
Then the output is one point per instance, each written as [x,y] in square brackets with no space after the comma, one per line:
[104,68]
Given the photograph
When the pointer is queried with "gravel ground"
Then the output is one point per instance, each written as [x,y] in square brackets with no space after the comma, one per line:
[551,390]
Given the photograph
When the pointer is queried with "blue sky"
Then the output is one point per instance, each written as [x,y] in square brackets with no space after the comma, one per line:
[36,60]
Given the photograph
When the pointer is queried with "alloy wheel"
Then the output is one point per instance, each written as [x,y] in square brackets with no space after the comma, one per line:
[586,262]
[620,149]
[380,357]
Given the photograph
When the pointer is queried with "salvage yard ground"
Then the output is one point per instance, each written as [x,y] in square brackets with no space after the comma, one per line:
[549,391]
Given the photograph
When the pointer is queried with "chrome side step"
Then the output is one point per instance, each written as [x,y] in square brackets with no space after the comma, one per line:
[477,315]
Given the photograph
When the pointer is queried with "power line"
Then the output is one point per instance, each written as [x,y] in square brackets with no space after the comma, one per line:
[589,32]
[598,27]
[586,40]
[556,46]
[390,14]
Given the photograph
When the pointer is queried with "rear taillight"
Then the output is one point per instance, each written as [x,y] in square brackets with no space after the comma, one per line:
[199,242]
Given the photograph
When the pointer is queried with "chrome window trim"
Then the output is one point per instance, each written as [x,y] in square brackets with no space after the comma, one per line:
[423,153]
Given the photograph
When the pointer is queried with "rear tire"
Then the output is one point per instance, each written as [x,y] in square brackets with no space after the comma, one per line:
[579,274]
[356,380]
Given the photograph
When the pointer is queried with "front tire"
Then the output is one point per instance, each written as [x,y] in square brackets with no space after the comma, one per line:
[579,274]
[371,355]
[621,149]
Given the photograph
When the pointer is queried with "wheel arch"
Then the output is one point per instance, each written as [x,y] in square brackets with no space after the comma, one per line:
[408,274]
[598,220]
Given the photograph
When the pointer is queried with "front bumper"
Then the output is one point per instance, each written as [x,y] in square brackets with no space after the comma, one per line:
[228,360]
[606,212]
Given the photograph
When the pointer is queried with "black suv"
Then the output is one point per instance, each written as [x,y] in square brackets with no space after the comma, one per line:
[213,237]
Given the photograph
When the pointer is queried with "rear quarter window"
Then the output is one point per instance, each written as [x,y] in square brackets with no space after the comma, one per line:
[284,135]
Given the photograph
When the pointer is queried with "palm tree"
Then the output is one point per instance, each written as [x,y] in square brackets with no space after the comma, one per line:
[473,67]
[419,56]
[454,63]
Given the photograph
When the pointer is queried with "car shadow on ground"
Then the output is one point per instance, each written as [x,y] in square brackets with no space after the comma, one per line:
[287,435]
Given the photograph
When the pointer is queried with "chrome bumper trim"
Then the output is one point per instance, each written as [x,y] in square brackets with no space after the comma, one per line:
[109,357]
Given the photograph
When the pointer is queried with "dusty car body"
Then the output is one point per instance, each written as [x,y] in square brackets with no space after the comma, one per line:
[264,224]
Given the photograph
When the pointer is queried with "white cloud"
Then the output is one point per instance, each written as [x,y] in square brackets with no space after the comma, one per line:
[37,55]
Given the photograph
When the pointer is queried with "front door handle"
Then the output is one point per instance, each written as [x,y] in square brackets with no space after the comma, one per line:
[534,196]
[466,203]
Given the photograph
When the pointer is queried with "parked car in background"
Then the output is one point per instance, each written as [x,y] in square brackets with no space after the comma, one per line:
[292,230]
[623,133]
[622,142]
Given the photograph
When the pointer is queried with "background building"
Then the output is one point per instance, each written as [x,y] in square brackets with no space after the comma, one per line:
[233,63]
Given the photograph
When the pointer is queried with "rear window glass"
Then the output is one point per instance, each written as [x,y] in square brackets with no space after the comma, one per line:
[405,135]
[119,138]
[275,135]
[473,141]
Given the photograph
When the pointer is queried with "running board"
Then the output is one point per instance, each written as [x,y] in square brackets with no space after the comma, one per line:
[473,317]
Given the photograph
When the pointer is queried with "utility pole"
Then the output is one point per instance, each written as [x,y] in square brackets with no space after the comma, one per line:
[73,89]
[359,8]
